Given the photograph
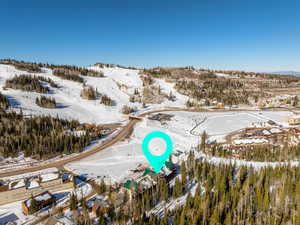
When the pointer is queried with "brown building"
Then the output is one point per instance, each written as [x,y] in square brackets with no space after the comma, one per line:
[42,200]
[294,120]
[99,207]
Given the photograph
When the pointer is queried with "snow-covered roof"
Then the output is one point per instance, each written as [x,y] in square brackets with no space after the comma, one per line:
[166,171]
[33,184]
[77,133]
[31,174]
[21,183]
[275,130]
[43,197]
[250,141]
[266,132]
[39,198]
[296,117]
[49,176]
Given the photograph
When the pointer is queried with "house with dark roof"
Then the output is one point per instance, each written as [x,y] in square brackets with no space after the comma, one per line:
[41,201]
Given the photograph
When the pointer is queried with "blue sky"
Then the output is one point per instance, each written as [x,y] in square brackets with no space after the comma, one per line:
[255,35]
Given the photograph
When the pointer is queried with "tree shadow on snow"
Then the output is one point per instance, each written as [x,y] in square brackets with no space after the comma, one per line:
[13,102]
[61,106]
[59,197]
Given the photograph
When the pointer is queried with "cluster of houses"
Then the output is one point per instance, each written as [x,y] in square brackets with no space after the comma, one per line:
[35,187]
[34,181]
[262,124]
[213,103]
[294,120]
[276,101]
[35,190]
[145,178]
[141,179]
[275,136]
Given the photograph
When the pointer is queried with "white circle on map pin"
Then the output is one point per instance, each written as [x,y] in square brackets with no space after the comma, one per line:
[157,146]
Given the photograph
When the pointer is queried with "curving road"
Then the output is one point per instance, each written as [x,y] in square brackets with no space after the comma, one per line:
[123,133]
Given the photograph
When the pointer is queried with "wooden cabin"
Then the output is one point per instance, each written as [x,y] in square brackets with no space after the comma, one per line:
[42,200]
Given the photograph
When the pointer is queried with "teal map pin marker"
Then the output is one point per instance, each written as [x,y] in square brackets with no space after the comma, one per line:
[157,162]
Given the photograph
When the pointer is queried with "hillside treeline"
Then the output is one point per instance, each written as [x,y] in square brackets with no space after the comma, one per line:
[233,88]
[224,194]
[106,100]
[68,75]
[90,93]
[4,103]
[191,72]
[33,67]
[76,70]
[24,66]
[41,137]
[227,91]
[178,73]
[46,102]
[243,74]
[210,194]
[30,83]
[109,65]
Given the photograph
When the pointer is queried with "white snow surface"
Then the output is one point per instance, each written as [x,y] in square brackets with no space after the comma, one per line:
[31,174]
[72,106]
[13,213]
[49,176]
[117,83]
[33,184]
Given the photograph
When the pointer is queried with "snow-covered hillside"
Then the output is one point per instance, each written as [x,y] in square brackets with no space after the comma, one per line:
[117,83]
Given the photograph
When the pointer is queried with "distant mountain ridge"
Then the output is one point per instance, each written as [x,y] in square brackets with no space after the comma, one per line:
[295,73]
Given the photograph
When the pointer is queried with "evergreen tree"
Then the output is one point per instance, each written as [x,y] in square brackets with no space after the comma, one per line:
[73,202]
[102,187]
[34,206]
[183,174]
[102,220]
[204,137]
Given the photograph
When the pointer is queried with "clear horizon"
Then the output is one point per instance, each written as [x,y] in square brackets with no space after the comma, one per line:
[258,36]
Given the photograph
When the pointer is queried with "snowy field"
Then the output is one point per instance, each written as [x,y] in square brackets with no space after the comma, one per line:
[217,125]
[184,129]
[117,83]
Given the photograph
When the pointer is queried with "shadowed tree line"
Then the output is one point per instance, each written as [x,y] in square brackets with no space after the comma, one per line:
[30,83]
[41,137]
